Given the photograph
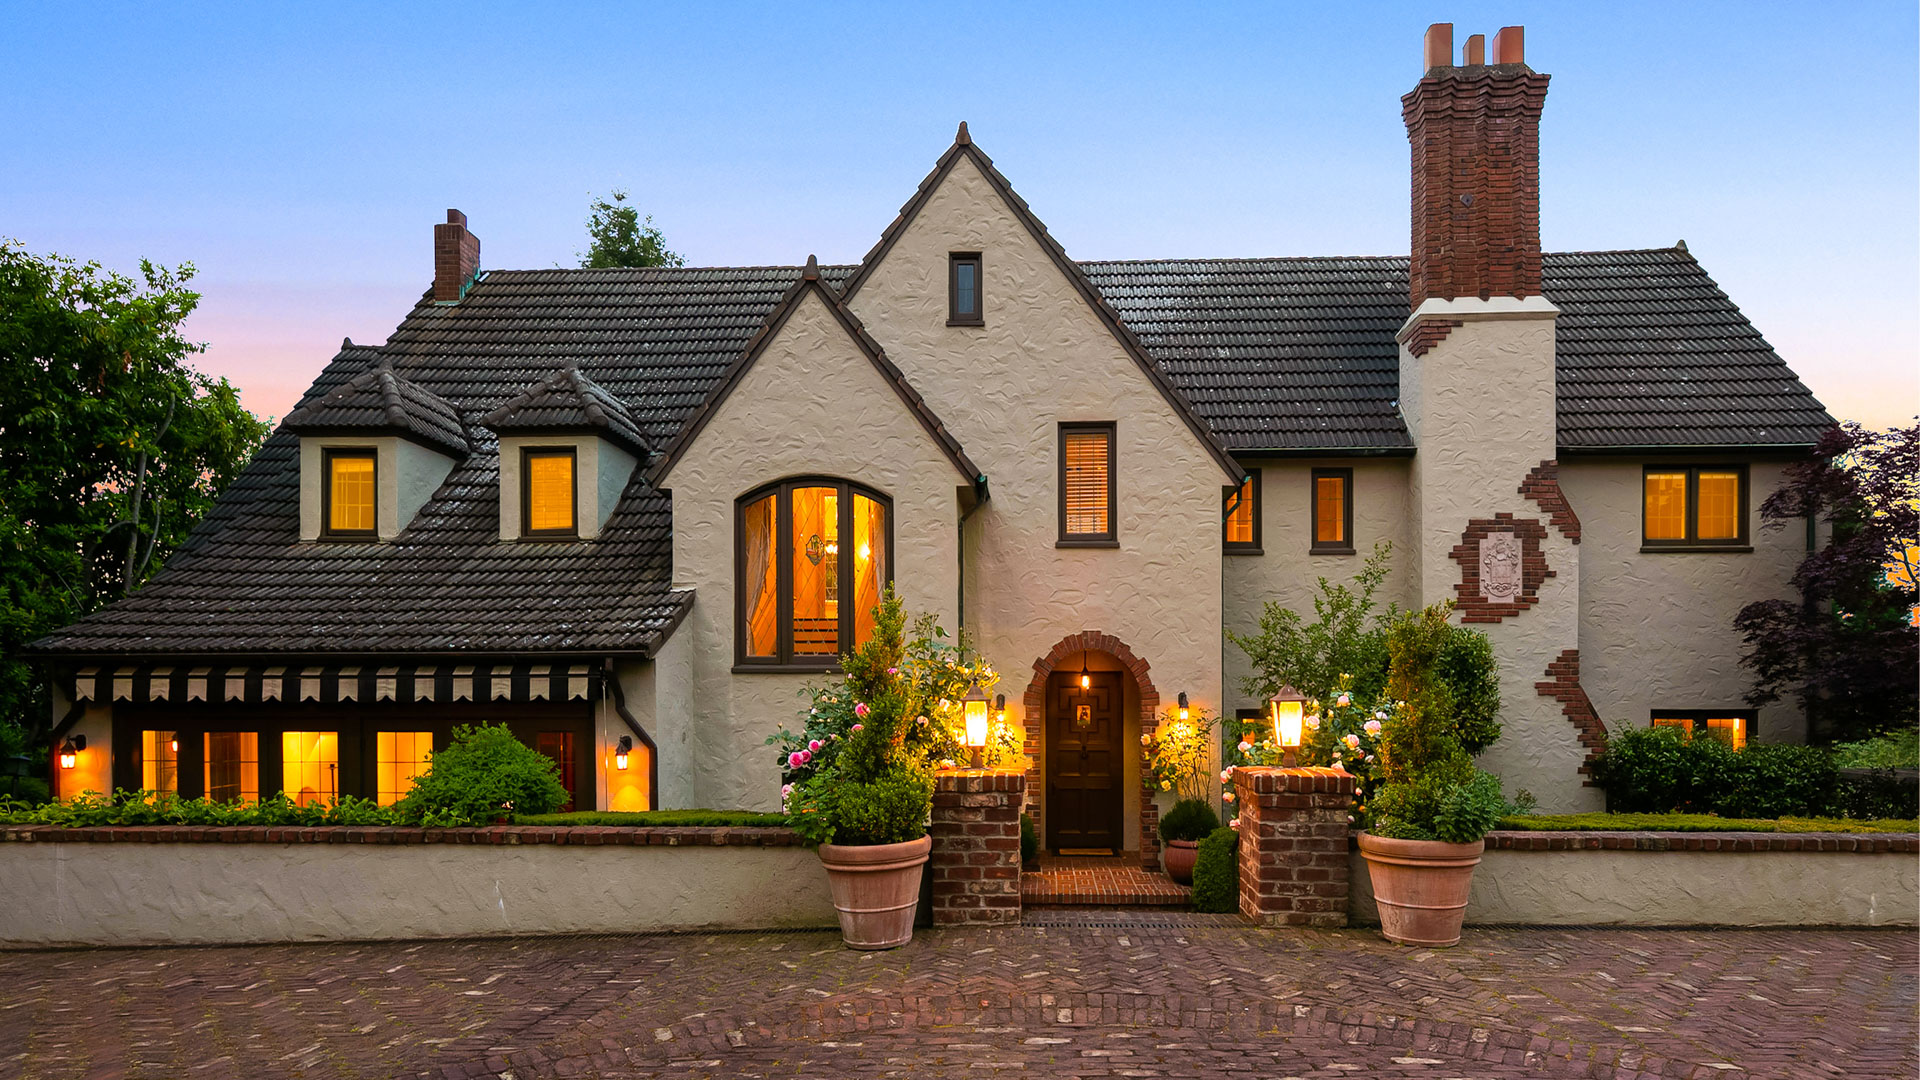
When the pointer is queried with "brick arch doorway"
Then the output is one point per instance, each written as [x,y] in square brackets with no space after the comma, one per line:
[1035,704]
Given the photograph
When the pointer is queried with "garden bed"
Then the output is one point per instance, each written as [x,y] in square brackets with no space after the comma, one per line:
[1702,823]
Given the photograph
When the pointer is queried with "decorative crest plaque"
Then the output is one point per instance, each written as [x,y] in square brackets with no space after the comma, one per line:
[1500,567]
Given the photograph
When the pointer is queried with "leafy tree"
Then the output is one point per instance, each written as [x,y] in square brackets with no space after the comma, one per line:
[619,236]
[1345,638]
[1848,646]
[111,447]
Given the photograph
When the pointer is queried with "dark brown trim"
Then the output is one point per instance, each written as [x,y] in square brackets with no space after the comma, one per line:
[1245,547]
[1323,451]
[1692,541]
[1110,538]
[527,531]
[1779,452]
[327,456]
[956,317]
[1315,545]
[784,659]
[963,146]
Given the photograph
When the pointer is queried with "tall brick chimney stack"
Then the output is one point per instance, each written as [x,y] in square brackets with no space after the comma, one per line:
[1475,130]
[456,259]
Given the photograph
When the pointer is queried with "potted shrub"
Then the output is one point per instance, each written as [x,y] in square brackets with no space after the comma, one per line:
[1428,819]
[1175,760]
[1181,830]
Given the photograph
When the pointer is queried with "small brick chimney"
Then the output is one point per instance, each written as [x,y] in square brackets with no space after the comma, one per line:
[456,259]
[1475,131]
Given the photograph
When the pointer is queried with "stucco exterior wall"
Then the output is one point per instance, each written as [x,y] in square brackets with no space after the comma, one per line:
[1679,888]
[93,767]
[1044,357]
[1656,628]
[406,475]
[669,714]
[811,404]
[95,894]
[601,471]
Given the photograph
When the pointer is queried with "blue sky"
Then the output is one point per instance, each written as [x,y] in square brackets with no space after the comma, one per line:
[300,156]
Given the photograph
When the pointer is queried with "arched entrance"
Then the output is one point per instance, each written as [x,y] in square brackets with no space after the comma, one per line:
[1050,719]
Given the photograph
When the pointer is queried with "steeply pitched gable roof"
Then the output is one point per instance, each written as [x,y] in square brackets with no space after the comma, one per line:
[569,401]
[379,400]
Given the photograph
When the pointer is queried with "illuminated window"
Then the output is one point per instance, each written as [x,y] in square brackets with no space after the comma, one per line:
[547,490]
[232,766]
[160,761]
[1243,515]
[1087,500]
[1731,726]
[813,557]
[1332,511]
[350,486]
[310,766]
[1731,729]
[963,289]
[1694,506]
[399,756]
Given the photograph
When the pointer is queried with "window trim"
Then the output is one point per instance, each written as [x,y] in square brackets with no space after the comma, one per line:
[784,659]
[327,456]
[1697,717]
[527,531]
[1692,541]
[1314,545]
[1243,547]
[1110,538]
[956,317]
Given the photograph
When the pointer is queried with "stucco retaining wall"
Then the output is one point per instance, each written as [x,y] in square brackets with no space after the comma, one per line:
[255,885]
[1684,879]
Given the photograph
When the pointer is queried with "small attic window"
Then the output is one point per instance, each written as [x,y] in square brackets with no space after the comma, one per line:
[349,494]
[964,307]
[547,495]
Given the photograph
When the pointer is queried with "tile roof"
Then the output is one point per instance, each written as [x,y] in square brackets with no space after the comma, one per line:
[379,400]
[569,401]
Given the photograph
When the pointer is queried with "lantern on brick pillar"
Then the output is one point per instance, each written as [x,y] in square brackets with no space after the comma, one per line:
[974,708]
[1287,709]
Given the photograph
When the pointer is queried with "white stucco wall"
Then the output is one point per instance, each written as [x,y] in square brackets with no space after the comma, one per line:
[1656,628]
[93,767]
[601,471]
[811,404]
[406,475]
[1044,357]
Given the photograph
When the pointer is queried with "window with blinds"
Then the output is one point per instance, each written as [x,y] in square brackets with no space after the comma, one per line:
[1243,515]
[1332,512]
[1693,506]
[1087,506]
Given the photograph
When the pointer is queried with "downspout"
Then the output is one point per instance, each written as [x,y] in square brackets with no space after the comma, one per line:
[981,495]
[619,698]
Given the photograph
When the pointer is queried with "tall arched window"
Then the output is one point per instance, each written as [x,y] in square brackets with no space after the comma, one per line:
[812,557]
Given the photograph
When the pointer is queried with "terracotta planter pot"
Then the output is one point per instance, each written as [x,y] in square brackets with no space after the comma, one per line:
[876,889]
[1421,887]
[1179,858]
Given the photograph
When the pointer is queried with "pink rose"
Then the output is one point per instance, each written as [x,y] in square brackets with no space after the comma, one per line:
[1228,796]
[922,721]
[1313,723]
[893,671]
[1371,727]
[1245,746]
[1234,824]
[815,745]
[860,710]
[859,727]
[1352,741]
[1343,700]
[1226,775]
[786,790]
[806,756]
[794,760]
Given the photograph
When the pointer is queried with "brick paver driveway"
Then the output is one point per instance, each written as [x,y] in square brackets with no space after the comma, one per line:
[1058,1000]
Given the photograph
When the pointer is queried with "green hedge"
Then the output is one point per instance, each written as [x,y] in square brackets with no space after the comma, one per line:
[1704,823]
[1659,770]
[1216,873]
[659,819]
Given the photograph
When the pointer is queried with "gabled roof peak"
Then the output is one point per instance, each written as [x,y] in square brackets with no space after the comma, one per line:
[380,400]
[961,137]
[569,401]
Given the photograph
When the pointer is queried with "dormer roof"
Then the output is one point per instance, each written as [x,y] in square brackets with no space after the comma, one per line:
[380,401]
[570,402]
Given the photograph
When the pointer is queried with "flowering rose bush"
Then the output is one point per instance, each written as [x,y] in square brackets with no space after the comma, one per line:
[1345,733]
[1173,756]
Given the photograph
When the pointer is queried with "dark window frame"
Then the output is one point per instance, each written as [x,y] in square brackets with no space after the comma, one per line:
[1692,541]
[1110,538]
[527,531]
[1314,544]
[328,454]
[956,317]
[784,658]
[1697,717]
[1243,547]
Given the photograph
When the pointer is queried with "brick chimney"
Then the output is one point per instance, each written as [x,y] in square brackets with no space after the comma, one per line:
[456,259]
[1475,131]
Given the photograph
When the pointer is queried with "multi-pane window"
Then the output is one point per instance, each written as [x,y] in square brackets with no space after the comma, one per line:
[548,492]
[349,491]
[1694,506]
[1087,500]
[310,766]
[1731,726]
[399,756]
[160,761]
[964,307]
[813,559]
[1332,511]
[1243,515]
[231,766]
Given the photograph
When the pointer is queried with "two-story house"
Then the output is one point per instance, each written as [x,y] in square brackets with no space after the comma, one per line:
[633,513]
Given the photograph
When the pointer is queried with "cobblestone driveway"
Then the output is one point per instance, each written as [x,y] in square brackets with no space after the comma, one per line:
[1214,1000]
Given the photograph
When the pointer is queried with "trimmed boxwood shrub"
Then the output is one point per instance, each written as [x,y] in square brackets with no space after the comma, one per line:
[1216,873]
[1657,770]
[1190,819]
[483,773]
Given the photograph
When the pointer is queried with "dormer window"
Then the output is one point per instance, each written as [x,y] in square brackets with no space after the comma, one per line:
[568,450]
[548,503]
[964,307]
[349,490]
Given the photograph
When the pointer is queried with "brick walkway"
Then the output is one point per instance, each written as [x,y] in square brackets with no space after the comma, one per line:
[1114,880]
[1148,1000]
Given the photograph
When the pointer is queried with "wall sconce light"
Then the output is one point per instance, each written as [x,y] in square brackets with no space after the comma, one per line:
[70,750]
[620,752]
[173,746]
[1183,705]
[1288,712]
[1000,709]
[975,709]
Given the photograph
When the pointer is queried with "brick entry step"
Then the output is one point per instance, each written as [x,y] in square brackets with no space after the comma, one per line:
[1111,881]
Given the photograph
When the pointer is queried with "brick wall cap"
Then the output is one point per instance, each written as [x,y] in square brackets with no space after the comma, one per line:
[617,835]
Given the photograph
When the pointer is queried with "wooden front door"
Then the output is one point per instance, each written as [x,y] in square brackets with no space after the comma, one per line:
[1084,763]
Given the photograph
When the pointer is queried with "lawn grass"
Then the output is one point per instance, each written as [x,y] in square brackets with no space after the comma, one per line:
[656,818]
[1703,823]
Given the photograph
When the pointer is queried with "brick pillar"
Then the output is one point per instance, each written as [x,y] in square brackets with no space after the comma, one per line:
[1293,845]
[976,846]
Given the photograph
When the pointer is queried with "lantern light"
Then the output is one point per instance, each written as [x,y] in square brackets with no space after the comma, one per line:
[1183,705]
[173,745]
[974,707]
[1000,709]
[70,750]
[1287,709]
[1086,678]
[620,752]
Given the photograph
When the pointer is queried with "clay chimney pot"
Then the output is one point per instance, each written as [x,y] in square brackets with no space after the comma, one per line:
[1510,45]
[1476,50]
[1439,46]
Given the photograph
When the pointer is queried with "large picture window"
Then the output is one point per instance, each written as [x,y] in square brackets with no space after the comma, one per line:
[1694,506]
[812,558]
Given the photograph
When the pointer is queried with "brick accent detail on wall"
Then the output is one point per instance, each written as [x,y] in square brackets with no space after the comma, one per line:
[1294,831]
[1563,685]
[456,258]
[1542,485]
[1534,570]
[1036,718]
[1428,333]
[1475,136]
[975,862]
